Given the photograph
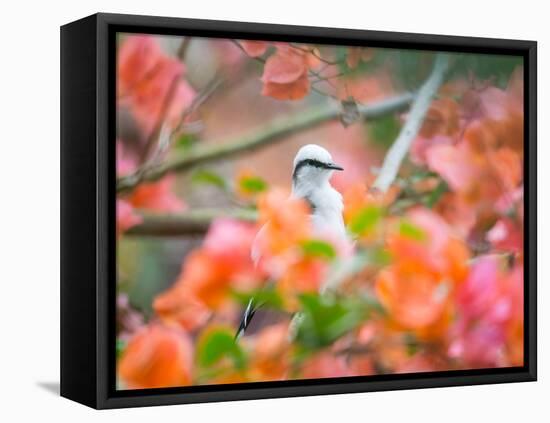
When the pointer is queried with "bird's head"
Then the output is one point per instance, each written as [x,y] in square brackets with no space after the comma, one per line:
[313,165]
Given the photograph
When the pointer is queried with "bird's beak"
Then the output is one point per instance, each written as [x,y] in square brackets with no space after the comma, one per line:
[334,166]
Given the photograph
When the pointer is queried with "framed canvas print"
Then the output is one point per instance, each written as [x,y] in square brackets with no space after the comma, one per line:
[257,211]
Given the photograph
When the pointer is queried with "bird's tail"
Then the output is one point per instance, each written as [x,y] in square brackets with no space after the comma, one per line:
[247,317]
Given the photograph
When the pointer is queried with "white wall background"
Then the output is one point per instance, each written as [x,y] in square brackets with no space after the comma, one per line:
[29,204]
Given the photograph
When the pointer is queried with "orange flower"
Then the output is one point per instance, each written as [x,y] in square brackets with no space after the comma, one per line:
[286,222]
[428,262]
[414,300]
[157,357]
[207,279]
[178,305]
[358,197]
[303,276]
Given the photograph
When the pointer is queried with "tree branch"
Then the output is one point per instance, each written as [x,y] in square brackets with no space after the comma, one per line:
[274,131]
[408,133]
[192,222]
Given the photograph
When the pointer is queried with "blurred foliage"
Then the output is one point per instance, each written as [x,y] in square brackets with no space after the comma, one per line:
[218,343]
[384,131]
[366,220]
[207,177]
[485,67]
[252,185]
[325,319]
[318,249]
[267,297]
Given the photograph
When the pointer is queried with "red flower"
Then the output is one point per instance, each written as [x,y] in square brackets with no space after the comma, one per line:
[506,235]
[285,74]
[254,48]
[145,77]
[325,364]
[157,196]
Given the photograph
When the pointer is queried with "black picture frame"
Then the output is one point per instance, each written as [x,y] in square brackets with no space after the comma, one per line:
[88,244]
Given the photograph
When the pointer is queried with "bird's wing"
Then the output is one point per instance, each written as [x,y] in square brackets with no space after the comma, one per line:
[256,250]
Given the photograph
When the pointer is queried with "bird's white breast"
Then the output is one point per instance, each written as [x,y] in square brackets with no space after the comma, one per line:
[327,212]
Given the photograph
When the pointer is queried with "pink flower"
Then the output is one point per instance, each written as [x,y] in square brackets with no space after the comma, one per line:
[476,295]
[480,346]
[125,216]
[489,329]
[422,145]
[125,164]
[229,242]
[455,164]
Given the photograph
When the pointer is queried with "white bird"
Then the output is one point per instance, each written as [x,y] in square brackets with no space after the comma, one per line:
[313,168]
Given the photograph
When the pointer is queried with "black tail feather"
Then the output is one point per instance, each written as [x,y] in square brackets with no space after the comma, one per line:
[247,317]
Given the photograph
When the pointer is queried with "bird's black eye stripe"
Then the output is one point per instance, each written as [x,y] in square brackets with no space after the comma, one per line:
[315,163]
[308,162]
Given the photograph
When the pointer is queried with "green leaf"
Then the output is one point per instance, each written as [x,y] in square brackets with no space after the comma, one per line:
[203,176]
[366,220]
[385,130]
[436,194]
[120,347]
[266,297]
[253,184]
[318,248]
[410,230]
[325,319]
[379,256]
[411,344]
[218,343]
[185,142]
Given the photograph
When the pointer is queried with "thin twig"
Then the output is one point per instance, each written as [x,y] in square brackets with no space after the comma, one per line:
[155,132]
[165,136]
[419,108]
[324,93]
[183,48]
[199,99]
[257,58]
[313,52]
[272,132]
